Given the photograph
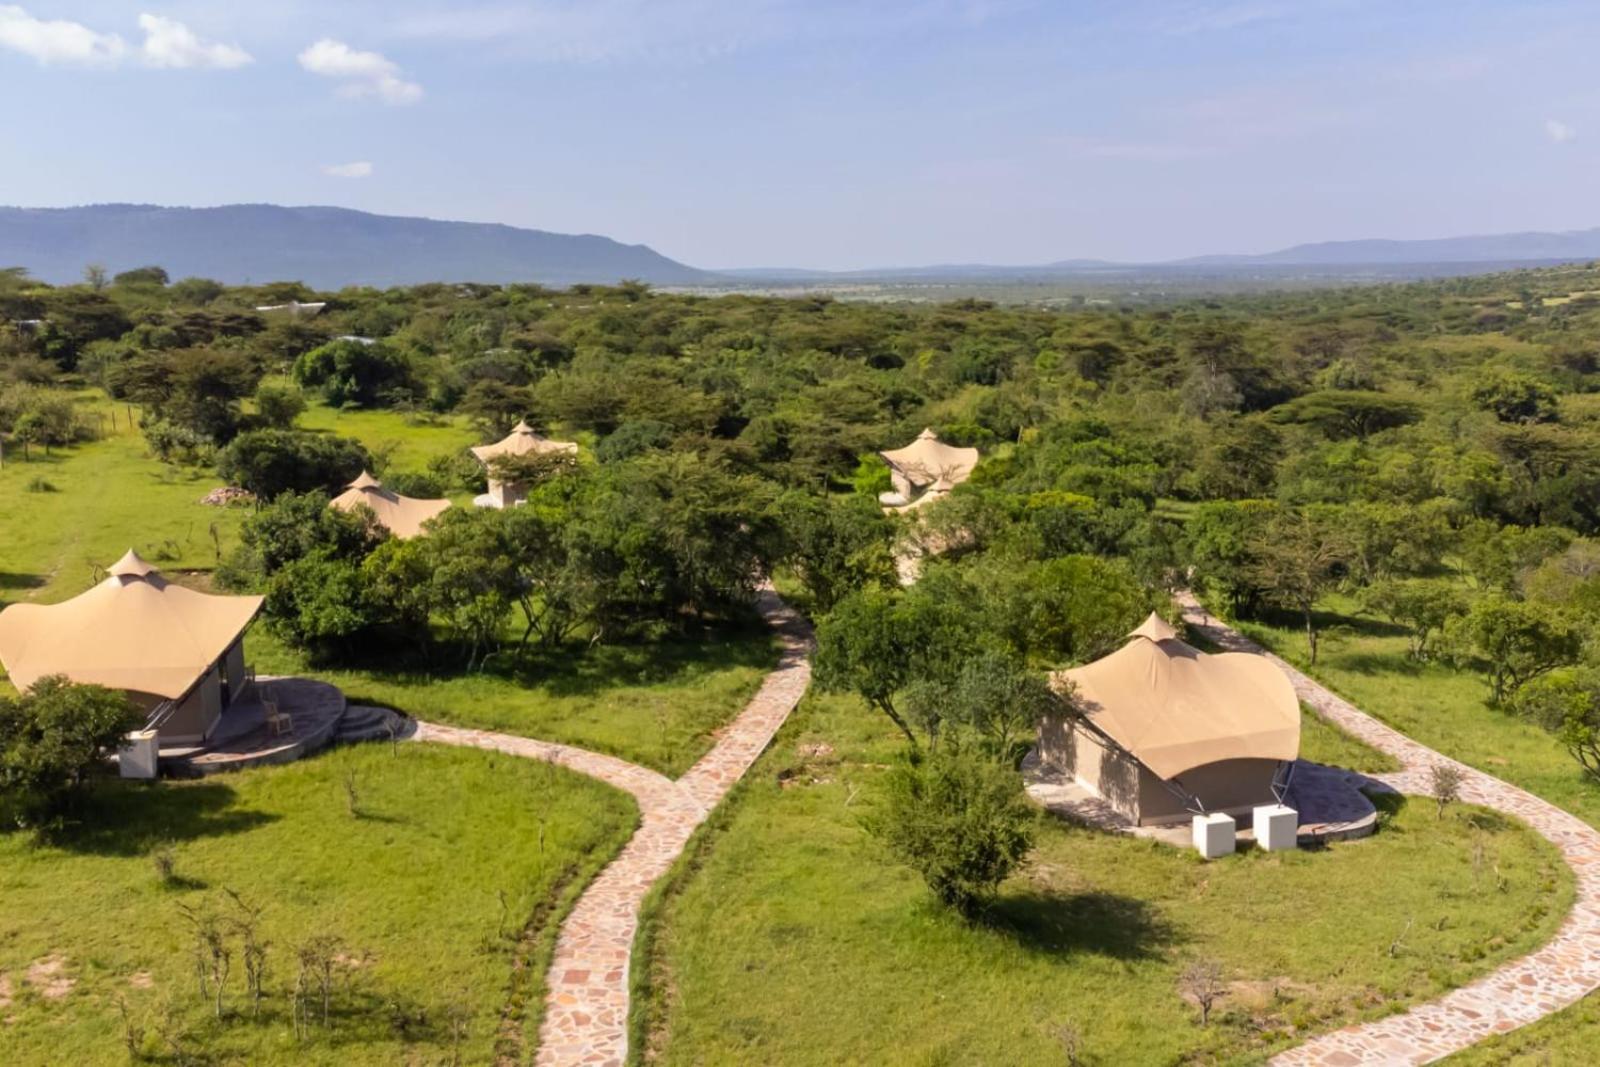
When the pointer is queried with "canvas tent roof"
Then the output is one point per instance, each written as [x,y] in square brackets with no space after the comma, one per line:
[134,630]
[928,461]
[520,442]
[1175,708]
[402,516]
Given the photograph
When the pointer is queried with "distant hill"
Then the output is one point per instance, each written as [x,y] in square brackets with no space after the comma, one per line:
[1493,248]
[325,247]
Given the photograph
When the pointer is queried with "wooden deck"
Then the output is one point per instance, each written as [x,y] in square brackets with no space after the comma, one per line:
[242,738]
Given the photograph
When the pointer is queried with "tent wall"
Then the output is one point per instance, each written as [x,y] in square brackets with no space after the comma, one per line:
[1234,786]
[1084,756]
[196,713]
[234,671]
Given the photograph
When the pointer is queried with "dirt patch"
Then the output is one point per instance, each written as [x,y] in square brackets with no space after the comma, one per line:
[49,977]
[142,980]
[5,991]
[355,962]
[815,750]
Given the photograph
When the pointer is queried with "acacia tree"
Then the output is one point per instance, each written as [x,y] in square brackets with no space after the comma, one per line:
[1300,557]
[1421,605]
[1512,642]
[1567,705]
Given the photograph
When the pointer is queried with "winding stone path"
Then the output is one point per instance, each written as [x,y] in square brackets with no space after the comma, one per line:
[586,1007]
[1521,992]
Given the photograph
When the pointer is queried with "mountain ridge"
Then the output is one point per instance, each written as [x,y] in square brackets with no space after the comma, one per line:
[325,247]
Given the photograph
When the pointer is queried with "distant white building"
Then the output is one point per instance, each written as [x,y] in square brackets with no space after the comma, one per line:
[295,308]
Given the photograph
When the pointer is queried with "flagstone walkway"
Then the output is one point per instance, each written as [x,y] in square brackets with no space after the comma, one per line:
[1525,990]
[586,1006]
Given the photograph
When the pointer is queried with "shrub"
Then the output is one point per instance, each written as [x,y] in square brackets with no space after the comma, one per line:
[279,405]
[272,462]
[52,739]
[354,372]
[958,819]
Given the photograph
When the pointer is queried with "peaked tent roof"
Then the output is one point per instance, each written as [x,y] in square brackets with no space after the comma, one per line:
[402,516]
[1176,708]
[928,461]
[519,442]
[134,630]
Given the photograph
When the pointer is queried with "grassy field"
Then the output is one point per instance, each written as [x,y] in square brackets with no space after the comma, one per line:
[656,703]
[1365,661]
[788,937]
[455,865]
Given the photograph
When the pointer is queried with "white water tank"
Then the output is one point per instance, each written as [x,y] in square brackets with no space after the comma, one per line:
[1214,835]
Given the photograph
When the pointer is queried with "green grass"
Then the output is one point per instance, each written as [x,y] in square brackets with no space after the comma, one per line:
[789,938]
[110,496]
[657,703]
[1323,742]
[408,442]
[412,886]
[1365,661]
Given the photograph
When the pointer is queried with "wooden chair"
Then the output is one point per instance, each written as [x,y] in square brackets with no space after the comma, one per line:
[278,722]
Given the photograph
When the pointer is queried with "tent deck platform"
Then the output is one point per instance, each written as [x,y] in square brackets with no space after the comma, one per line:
[1330,801]
[242,738]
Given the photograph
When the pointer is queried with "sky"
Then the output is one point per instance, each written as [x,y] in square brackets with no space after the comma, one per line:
[827,133]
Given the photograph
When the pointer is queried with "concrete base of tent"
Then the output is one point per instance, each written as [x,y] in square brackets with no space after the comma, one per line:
[244,738]
[1331,802]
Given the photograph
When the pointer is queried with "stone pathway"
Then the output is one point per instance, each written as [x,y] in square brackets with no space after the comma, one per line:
[1560,972]
[586,1007]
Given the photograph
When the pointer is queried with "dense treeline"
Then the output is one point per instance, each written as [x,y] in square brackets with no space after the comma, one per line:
[1432,449]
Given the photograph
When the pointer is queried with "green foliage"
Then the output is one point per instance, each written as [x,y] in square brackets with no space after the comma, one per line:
[1567,704]
[1511,396]
[1340,413]
[1512,642]
[354,372]
[835,546]
[633,439]
[196,389]
[272,462]
[1421,605]
[994,701]
[53,738]
[294,526]
[959,819]
[278,405]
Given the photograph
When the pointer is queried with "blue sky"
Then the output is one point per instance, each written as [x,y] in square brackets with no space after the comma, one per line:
[825,133]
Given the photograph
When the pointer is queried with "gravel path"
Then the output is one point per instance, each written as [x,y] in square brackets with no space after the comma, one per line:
[586,1008]
[1521,992]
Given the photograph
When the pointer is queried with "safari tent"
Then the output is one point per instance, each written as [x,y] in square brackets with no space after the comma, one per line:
[925,470]
[177,652]
[1162,731]
[521,441]
[402,516]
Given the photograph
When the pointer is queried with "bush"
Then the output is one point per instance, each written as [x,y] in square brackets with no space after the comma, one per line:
[52,739]
[272,462]
[279,405]
[353,372]
[958,819]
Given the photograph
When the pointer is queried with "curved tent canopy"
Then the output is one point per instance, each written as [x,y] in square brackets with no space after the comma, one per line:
[520,442]
[402,516]
[929,462]
[134,631]
[1175,708]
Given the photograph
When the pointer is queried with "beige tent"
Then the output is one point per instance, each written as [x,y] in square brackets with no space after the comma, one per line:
[925,470]
[402,516]
[138,632]
[521,441]
[1163,729]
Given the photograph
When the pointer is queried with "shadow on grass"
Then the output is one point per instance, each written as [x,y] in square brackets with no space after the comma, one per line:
[129,819]
[576,670]
[1354,625]
[1105,924]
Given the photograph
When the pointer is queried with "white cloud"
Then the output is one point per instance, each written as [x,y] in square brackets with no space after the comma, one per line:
[361,73]
[57,40]
[1559,132]
[170,44]
[358,169]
